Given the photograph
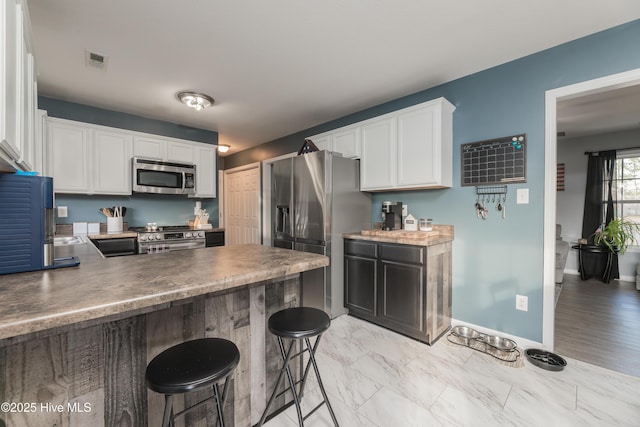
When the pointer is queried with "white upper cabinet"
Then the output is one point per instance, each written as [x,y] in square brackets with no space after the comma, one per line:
[323,142]
[205,157]
[379,148]
[180,152]
[112,152]
[417,153]
[68,156]
[149,147]
[425,146]
[404,150]
[91,159]
[17,86]
[88,159]
[345,141]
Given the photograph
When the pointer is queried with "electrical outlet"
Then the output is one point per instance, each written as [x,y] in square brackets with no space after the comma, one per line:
[62,212]
[404,210]
[522,303]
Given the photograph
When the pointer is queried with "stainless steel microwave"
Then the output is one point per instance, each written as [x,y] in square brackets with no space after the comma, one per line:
[158,177]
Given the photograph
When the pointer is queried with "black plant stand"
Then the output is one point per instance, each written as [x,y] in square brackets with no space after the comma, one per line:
[597,261]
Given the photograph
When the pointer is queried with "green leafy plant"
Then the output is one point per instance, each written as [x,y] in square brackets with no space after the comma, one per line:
[618,235]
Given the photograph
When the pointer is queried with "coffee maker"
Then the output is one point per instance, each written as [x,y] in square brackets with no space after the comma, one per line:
[391,215]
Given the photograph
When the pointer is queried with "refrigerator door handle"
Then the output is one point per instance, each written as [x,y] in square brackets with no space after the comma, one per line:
[283,221]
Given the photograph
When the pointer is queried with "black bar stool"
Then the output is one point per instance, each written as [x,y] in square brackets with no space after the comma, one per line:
[299,324]
[190,366]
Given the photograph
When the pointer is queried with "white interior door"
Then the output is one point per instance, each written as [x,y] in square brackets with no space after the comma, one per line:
[242,205]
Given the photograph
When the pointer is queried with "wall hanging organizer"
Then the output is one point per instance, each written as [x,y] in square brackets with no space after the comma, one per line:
[491,194]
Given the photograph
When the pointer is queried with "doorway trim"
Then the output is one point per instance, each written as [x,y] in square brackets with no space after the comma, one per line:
[602,84]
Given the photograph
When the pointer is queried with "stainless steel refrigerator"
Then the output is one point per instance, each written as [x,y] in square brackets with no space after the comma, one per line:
[316,198]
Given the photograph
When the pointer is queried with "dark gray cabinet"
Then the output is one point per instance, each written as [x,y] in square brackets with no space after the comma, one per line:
[406,288]
[214,238]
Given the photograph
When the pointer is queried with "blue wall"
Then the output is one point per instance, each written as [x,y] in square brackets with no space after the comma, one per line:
[141,208]
[496,259]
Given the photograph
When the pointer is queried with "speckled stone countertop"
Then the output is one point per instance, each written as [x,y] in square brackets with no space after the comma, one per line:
[439,234]
[40,300]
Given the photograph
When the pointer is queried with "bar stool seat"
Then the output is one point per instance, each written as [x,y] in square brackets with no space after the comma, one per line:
[299,324]
[190,366]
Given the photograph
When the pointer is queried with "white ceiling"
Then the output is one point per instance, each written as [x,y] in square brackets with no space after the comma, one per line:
[280,66]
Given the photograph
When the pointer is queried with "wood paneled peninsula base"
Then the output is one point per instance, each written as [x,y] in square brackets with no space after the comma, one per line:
[400,280]
[85,364]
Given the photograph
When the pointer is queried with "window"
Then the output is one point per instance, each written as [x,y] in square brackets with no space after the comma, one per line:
[625,187]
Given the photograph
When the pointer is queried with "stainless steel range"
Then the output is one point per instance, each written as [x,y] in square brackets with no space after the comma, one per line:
[169,238]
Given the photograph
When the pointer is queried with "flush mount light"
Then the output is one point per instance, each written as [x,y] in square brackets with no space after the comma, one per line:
[199,101]
[223,148]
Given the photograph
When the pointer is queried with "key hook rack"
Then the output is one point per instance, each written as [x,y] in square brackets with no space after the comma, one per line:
[496,194]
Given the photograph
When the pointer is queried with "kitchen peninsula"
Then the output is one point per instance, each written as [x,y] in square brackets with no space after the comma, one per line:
[78,339]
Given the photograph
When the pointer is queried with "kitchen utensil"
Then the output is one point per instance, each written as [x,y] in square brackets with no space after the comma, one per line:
[107,212]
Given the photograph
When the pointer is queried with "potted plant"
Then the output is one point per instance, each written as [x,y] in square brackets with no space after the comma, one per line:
[618,235]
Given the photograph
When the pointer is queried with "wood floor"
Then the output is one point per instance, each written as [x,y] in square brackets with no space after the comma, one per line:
[599,323]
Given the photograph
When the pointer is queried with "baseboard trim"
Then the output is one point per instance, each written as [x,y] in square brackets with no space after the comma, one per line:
[522,342]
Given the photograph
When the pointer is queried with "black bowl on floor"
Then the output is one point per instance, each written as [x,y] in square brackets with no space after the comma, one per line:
[545,360]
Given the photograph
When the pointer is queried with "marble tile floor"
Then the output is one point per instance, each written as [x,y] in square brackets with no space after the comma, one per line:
[375,377]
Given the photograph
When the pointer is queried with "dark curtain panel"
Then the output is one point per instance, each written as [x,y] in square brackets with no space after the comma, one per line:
[600,170]
[600,167]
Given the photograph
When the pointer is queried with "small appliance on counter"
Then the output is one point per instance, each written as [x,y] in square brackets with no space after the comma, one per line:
[391,215]
[27,225]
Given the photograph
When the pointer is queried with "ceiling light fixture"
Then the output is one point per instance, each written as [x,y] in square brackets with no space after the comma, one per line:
[196,100]
[223,148]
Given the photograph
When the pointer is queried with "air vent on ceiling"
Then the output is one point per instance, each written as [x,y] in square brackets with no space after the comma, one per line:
[96,60]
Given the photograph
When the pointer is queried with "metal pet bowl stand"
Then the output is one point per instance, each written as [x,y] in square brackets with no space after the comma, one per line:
[500,348]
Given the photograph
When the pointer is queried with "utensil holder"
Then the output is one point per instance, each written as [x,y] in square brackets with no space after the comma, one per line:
[114,225]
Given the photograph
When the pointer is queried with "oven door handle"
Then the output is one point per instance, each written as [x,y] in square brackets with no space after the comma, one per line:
[186,245]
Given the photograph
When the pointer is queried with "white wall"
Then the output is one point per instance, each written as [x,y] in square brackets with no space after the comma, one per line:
[570,203]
